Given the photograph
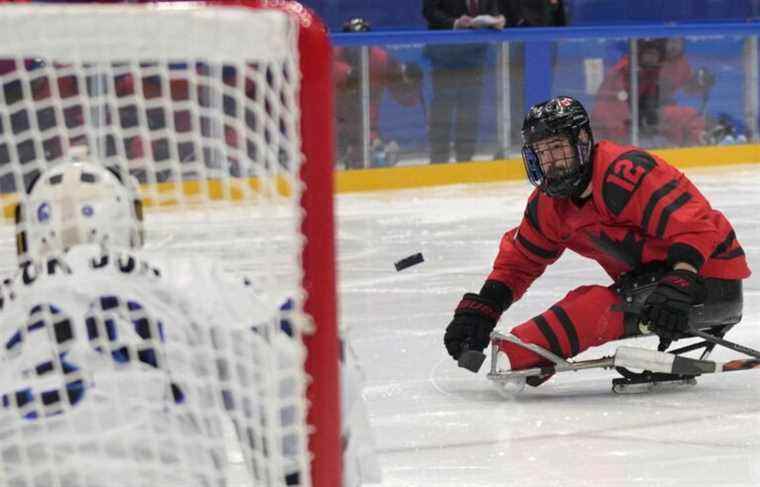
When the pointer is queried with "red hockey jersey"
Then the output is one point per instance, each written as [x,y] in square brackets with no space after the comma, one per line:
[641,210]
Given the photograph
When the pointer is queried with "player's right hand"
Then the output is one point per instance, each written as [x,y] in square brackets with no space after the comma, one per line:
[474,320]
[666,310]
[463,22]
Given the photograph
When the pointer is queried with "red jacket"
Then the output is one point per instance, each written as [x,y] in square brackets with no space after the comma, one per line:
[611,115]
[384,72]
[641,210]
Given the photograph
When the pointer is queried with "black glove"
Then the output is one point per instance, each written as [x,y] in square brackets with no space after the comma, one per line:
[474,319]
[666,311]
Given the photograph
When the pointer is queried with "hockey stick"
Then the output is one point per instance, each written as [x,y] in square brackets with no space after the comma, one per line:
[725,343]
[655,361]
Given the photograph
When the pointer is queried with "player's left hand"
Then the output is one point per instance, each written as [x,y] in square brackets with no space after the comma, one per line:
[666,311]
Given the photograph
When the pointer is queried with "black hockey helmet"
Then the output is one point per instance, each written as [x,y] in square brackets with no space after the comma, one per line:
[357,24]
[564,117]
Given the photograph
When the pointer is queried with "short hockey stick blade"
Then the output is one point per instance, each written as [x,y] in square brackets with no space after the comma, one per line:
[471,360]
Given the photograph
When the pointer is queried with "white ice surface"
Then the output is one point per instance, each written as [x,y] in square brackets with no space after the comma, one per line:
[437,425]
[440,426]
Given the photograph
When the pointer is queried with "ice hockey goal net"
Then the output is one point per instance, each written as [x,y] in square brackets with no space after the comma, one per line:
[223,114]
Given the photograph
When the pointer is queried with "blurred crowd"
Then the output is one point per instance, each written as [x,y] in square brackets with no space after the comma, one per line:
[456,77]
[663,71]
[410,105]
[448,84]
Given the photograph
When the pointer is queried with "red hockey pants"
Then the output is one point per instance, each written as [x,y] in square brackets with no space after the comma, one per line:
[584,318]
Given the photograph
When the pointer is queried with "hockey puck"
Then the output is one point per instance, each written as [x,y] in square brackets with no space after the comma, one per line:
[409,261]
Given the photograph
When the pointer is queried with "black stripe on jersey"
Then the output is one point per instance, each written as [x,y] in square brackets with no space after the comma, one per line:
[569,327]
[737,252]
[724,245]
[682,252]
[547,331]
[531,214]
[654,199]
[535,249]
[668,210]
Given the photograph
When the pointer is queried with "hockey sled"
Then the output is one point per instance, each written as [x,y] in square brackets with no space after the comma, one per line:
[659,368]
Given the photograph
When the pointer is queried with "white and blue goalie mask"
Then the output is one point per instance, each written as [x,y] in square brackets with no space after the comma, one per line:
[75,203]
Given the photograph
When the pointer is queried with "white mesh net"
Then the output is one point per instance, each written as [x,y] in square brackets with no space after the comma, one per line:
[200,105]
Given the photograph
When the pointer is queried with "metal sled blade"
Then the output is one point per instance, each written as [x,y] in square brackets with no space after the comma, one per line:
[624,386]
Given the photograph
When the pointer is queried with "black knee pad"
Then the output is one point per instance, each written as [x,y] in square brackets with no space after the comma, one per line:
[723,305]
[633,289]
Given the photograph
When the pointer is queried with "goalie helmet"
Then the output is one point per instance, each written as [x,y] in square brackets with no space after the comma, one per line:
[565,170]
[74,203]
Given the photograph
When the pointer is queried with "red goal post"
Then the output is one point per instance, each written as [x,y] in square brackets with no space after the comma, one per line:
[319,282]
[318,260]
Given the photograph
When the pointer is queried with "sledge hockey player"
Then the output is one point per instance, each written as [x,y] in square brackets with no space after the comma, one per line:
[119,370]
[675,262]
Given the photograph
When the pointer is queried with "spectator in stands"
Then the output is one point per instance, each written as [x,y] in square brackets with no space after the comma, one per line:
[457,75]
[526,13]
[403,82]
[533,13]
[663,71]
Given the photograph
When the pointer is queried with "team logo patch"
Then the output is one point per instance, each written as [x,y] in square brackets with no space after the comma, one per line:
[43,212]
[623,177]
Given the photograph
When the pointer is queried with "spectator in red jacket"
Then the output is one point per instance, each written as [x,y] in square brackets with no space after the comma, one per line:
[402,81]
[663,71]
